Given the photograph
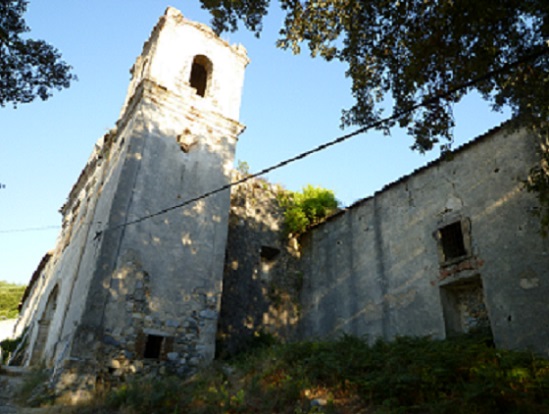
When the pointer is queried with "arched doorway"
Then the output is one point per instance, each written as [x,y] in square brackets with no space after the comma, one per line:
[44,328]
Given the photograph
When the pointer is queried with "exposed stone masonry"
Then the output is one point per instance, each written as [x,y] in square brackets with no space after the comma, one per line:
[262,281]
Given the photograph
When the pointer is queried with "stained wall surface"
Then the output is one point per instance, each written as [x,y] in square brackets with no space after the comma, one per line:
[261,277]
[128,290]
[381,267]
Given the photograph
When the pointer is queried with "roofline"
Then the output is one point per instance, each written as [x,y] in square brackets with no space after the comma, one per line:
[442,158]
[35,276]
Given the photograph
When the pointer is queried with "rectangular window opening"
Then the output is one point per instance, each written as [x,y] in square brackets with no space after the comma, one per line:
[451,238]
[268,254]
[153,347]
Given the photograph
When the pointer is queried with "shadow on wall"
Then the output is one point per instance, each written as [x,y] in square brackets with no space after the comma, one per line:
[164,285]
[261,282]
[365,274]
[149,290]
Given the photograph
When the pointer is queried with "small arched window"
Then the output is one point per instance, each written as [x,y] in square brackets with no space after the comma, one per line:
[201,72]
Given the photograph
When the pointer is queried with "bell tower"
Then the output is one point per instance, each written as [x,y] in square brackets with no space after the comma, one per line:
[145,281]
[188,58]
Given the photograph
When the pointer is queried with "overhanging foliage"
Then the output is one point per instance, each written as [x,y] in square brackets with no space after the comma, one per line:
[400,53]
[28,68]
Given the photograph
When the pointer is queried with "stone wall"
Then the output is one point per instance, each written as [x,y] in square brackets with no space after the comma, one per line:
[261,280]
[153,303]
[452,246]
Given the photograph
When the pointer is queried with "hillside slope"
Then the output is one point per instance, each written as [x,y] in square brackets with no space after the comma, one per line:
[10,296]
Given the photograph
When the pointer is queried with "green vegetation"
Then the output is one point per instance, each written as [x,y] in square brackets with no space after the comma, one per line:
[538,184]
[400,53]
[8,346]
[306,208]
[34,391]
[408,375]
[243,167]
[10,296]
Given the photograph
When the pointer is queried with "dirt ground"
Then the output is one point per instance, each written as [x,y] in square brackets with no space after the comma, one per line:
[11,381]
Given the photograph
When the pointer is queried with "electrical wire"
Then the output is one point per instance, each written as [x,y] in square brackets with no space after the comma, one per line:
[374,124]
[28,229]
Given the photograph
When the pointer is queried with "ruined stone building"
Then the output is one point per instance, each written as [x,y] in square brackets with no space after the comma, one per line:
[134,286]
[453,247]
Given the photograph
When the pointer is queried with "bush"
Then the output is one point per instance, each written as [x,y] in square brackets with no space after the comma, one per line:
[407,375]
[8,346]
[306,208]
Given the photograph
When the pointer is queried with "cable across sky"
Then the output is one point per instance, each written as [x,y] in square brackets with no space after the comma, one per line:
[375,124]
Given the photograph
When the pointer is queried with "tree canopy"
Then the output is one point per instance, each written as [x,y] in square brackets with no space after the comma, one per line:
[402,53]
[28,68]
[398,54]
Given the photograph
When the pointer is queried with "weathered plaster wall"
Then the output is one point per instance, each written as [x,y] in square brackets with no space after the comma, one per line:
[261,278]
[63,278]
[159,280]
[168,56]
[118,283]
[168,271]
[375,269]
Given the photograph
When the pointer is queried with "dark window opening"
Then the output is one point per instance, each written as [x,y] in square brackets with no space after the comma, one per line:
[153,346]
[199,78]
[201,74]
[269,253]
[451,238]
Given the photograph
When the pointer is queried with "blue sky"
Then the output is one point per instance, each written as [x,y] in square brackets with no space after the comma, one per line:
[290,104]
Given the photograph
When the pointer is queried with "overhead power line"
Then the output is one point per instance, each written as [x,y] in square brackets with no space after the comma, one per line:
[375,124]
[29,229]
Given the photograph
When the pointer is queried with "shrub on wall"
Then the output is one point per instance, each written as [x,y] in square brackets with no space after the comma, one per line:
[306,208]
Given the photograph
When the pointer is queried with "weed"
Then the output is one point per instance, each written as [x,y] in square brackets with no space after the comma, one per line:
[306,208]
